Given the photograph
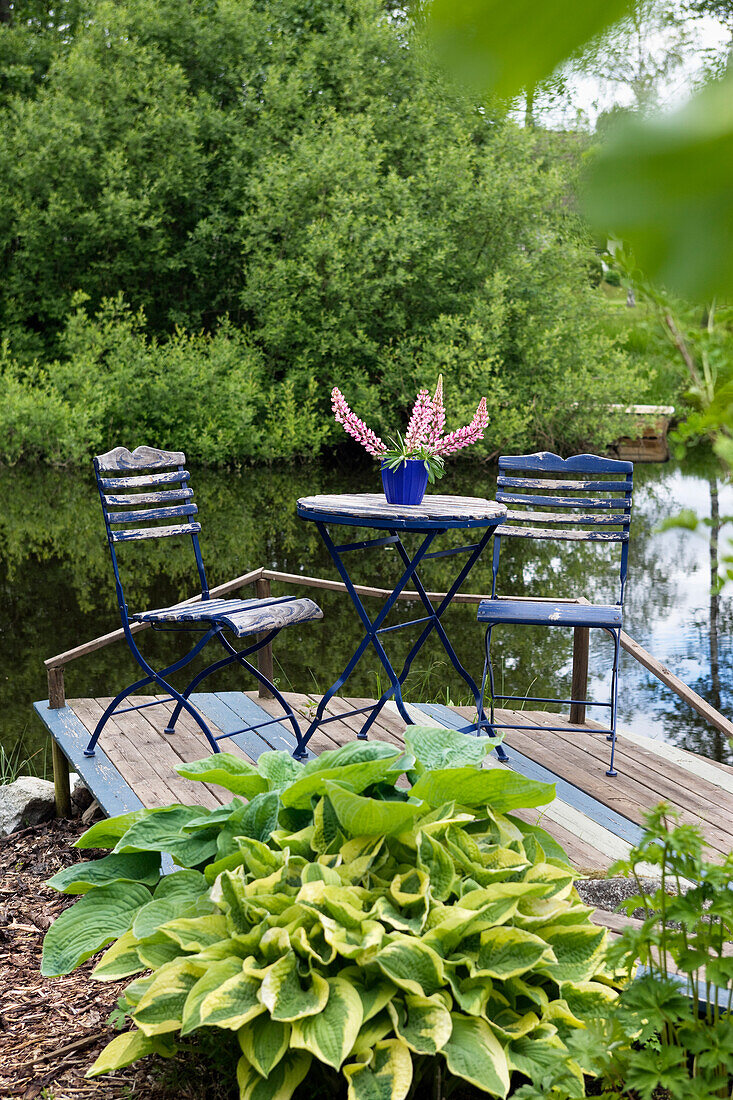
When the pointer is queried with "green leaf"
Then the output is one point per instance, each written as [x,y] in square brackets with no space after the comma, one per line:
[332,1032]
[433,858]
[80,878]
[228,771]
[664,186]
[125,1049]
[355,752]
[160,1008]
[386,1075]
[198,932]
[106,833]
[287,995]
[92,922]
[504,48]
[423,1023]
[255,820]
[264,1042]
[279,769]
[174,895]
[162,832]
[357,776]
[279,1085]
[577,949]
[474,1053]
[411,965]
[361,816]
[500,790]
[444,748]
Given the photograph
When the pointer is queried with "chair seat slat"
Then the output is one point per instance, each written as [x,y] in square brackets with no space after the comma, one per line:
[162,497]
[566,535]
[145,514]
[564,502]
[155,532]
[143,480]
[571,484]
[596,519]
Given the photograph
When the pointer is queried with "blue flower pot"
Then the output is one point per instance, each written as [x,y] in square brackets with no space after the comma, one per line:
[406,484]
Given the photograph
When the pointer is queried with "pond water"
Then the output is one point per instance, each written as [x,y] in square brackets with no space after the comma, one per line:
[57,591]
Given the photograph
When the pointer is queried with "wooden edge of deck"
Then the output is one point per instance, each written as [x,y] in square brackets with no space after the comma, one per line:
[99,774]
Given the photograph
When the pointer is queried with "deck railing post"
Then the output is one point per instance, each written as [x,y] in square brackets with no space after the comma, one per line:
[264,655]
[579,688]
[62,787]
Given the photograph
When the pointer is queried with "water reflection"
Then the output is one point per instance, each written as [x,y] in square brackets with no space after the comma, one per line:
[57,591]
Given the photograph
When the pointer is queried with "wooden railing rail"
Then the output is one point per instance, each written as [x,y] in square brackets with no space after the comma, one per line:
[261,579]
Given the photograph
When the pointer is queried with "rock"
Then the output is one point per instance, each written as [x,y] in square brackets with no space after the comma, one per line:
[81,796]
[27,801]
[608,893]
[92,812]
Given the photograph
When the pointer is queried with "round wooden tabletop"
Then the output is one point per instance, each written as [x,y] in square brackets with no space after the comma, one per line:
[372,510]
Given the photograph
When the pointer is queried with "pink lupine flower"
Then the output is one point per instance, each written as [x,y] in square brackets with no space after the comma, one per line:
[354,426]
[438,415]
[463,437]
[419,426]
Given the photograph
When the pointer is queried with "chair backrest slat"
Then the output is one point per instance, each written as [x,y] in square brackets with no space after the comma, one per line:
[144,515]
[142,481]
[563,502]
[553,483]
[556,505]
[155,532]
[164,497]
[142,458]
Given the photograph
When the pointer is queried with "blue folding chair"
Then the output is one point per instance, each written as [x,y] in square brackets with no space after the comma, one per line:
[137,495]
[563,497]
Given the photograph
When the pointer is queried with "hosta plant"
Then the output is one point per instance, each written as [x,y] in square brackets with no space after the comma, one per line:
[371,911]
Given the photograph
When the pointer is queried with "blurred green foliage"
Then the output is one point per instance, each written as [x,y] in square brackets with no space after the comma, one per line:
[280,191]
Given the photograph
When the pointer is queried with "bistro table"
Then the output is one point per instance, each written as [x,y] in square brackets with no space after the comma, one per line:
[433,517]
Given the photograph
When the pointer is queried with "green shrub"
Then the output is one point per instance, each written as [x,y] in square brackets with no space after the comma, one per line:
[683,945]
[341,913]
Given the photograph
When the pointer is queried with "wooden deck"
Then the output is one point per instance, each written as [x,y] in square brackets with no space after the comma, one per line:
[594,817]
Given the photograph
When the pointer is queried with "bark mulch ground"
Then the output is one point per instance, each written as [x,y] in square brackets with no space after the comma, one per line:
[52,1029]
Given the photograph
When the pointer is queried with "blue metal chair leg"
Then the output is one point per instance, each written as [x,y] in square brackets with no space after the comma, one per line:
[488,666]
[614,701]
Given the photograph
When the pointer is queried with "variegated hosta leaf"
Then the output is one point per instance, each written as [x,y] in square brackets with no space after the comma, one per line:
[259,860]
[411,965]
[80,878]
[228,771]
[362,942]
[298,843]
[125,1049]
[510,1025]
[423,1023]
[94,921]
[534,1056]
[471,994]
[372,1032]
[342,903]
[443,748]
[287,995]
[375,994]
[158,949]
[173,896]
[577,949]
[318,872]
[197,933]
[550,846]
[263,1042]
[359,855]
[256,819]
[355,752]
[160,1008]
[386,1075]
[120,961]
[312,944]
[506,952]
[282,1082]
[331,1033]
[327,833]
[233,1003]
[588,1000]
[213,977]
[360,816]
[434,859]
[474,1053]
[500,790]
